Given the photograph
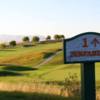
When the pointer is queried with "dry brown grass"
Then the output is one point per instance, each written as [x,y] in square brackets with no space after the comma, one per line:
[98,95]
[21,59]
[34,88]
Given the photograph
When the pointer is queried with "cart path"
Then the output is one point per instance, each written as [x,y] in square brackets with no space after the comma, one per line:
[47,60]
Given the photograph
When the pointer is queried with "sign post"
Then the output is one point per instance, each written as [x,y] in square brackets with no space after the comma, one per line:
[88,81]
[84,49]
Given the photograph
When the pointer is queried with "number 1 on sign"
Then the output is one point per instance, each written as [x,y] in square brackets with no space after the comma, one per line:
[85,43]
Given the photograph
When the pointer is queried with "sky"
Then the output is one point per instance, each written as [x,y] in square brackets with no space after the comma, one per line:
[43,17]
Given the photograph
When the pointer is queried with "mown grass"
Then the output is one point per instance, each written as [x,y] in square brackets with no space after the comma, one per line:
[56,70]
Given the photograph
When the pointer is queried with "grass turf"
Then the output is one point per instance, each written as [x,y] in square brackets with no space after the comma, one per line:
[27,58]
[22,62]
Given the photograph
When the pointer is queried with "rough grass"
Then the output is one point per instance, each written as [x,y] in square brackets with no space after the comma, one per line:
[31,96]
[37,87]
[42,90]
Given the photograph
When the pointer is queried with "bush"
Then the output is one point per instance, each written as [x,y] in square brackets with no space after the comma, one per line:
[71,86]
[3,45]
[28,45]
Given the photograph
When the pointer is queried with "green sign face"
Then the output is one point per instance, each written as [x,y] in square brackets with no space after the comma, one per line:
[82,48]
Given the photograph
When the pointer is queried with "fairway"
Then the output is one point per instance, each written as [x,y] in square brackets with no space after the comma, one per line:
[23,61]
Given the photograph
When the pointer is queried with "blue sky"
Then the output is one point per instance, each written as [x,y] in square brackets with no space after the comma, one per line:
[43,17]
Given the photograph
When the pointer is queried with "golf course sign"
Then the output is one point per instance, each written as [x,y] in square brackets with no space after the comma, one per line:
[82,48]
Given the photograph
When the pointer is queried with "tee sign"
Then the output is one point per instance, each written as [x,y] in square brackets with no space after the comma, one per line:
[82,48]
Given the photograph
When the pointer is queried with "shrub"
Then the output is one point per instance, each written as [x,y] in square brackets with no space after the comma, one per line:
[3,45]
[71,86]
[28,45]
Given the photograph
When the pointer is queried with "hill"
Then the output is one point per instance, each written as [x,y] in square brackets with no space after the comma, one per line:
[22,61]
[25,61]
[37,68]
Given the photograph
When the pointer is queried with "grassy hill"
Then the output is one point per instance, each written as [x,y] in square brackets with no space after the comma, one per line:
[29,56]
[19,71]
[23,61]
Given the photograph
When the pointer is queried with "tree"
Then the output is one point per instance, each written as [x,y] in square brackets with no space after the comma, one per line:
[35,39]
[59,37]
[56,37]
[48,37]
[62,37]
[26,39]
[12,43]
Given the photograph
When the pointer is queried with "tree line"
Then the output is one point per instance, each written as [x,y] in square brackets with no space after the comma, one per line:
[35,39]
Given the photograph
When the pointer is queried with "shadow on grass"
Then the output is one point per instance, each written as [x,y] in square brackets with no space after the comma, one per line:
[61,83]
[7,50]
[9,73]
[17,67]
[31,96]
[46,55]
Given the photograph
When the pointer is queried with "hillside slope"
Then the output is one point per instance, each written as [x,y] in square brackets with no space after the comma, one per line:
[21,62]
[29,56]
